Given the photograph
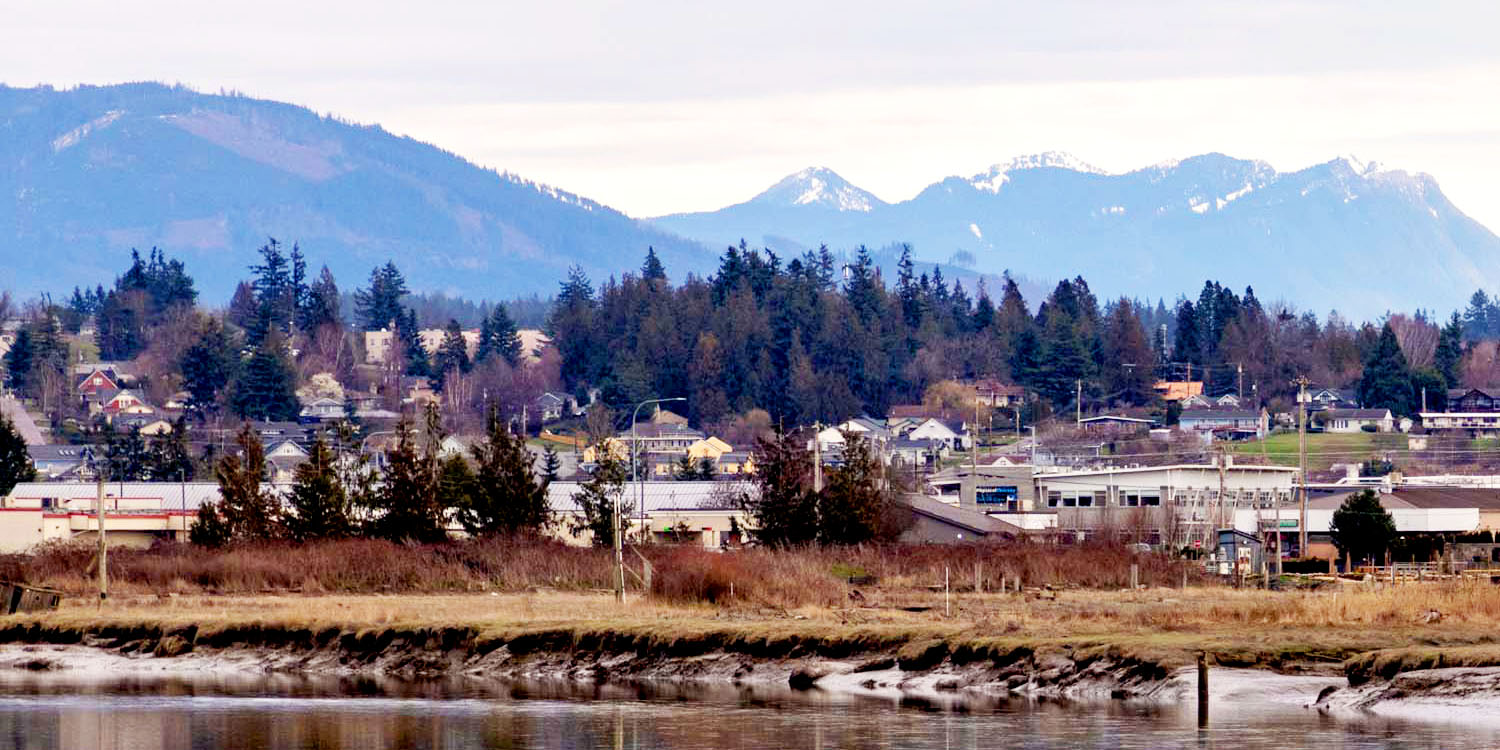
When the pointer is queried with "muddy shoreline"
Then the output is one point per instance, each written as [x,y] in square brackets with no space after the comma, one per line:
[931,671]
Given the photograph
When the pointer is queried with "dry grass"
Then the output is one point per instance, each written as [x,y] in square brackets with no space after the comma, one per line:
[1167,626]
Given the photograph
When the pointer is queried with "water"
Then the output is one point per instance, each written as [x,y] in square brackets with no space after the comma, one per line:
[60,711]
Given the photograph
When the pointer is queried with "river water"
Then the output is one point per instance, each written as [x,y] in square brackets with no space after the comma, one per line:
[48,711]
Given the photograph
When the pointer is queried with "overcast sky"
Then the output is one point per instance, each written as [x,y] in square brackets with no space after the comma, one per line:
[657,107]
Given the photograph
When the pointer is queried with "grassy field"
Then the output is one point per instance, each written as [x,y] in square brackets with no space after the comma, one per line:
[1167,626]
[1323,449]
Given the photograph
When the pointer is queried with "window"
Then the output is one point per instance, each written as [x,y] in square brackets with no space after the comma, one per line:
[1138,499]
[1054,498]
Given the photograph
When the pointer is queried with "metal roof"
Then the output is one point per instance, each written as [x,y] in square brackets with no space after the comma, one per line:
[659,496]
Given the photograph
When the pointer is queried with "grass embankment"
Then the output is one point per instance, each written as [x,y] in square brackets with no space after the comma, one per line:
[766,604]
[1323,449]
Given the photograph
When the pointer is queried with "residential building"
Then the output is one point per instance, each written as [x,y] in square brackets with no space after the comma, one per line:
[322,409]
[1321,399]
[54,461]
[1177,390]
[1355,420]
[549,406]
[949,433]
[1226,424]
[1174,505]
[1116,423]
[995,394]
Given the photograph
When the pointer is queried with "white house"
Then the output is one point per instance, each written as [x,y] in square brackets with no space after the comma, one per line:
[936,429]
[1355,420]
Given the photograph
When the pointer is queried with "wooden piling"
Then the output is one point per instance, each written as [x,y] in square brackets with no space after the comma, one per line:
[1202,688]
[1135,576]
[978,577]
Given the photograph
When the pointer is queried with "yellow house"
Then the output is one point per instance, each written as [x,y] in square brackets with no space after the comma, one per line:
[741,462]
[709,447]
[616,447]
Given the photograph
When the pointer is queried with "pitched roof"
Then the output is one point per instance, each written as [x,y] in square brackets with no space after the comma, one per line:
[1358,414]
[1219,414]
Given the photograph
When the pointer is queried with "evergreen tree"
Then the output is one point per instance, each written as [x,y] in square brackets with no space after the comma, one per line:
[907,290]
[243,308]
[321,305]
[507,497]
[550,464]
[249,512]
[1361,528]
[452,355]
[1386,381]
[127,459]
[1188,346]
[379,306]
[407,502]
[275,293]
[19,362]
[1478,317]
[784,511]
[505,339]
[598,497]
[208,366]
[15,462]
[266,388]
[652,269]
[169,457]
[1449,354]
[571,327]
[854,508]
[209,528]
[320,508]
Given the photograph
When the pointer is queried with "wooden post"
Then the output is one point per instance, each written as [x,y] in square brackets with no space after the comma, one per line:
[978,577]
[103,546]
[947,608]
[1202,688]
[1003,589]
[1135,576]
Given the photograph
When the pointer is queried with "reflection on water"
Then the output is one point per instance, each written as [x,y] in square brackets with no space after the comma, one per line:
[48,711]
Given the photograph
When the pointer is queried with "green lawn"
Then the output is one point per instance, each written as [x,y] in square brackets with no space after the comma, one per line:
[1323,449]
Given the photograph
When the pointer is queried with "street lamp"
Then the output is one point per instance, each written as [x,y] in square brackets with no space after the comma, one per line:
[640,489]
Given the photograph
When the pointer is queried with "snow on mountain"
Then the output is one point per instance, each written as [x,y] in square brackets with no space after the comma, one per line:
[1324,237]
[821,187]
[997,175]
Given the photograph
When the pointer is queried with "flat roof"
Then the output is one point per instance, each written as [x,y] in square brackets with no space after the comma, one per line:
[1043,476]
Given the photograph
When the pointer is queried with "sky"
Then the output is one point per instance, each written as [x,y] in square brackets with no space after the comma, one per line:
[657,107]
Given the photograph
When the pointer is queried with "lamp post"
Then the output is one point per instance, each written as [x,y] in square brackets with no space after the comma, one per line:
[640,489]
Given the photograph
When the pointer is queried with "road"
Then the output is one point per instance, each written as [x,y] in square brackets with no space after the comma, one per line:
[14,411]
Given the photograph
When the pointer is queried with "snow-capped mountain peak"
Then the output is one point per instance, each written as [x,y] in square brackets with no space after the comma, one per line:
[818,186]
[998,174]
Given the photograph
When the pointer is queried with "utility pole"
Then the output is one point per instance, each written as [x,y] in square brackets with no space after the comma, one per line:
[1302,464]
[974,441]
[1078,406]
[1223,468]
[817,457]
[619,556]
[103,547]
[1240,374]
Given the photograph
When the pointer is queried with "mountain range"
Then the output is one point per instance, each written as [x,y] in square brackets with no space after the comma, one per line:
[1339,235]
[92,172]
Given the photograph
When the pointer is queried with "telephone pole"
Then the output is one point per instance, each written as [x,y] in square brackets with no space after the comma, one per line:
[817,457]
[1078,406]
[1302,464]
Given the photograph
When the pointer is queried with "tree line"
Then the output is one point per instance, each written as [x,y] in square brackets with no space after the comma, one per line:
[814,338]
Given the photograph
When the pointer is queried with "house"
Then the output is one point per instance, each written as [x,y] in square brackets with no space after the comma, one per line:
[995,394]
[710,447]
[831,439]
[549,407]
[96,382]
[949,433]
[1322,399]
[282,460]
[661,438]
[1473,400]
[418,391]
[53,461]
[665,416]
[126,401]
[1177,390]
[1116,423]
[1228,400]
[1197,401]
[1226,424]
[736,463]
[1355,420]
[916,453]
[322,409]
[149,425]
